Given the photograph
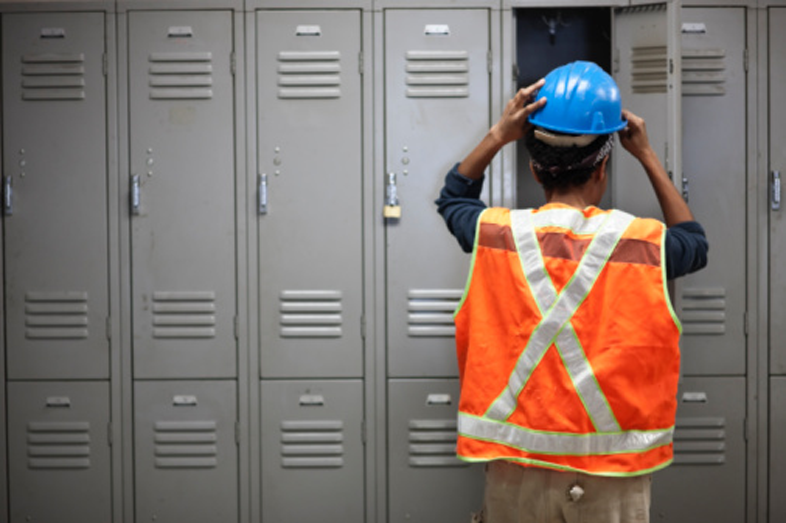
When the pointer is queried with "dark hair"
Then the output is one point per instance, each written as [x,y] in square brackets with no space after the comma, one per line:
[561,167]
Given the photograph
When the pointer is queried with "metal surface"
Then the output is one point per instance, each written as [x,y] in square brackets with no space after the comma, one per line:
[312,449]
[644,66]
[775,200]
[426,481]
[706,481]
[436,109]
[183,240]
[59,462]
[56,252]
[186,465]
[712,302]
[310,240]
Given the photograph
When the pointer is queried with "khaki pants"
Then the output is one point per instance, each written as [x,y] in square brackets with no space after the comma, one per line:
[517,494]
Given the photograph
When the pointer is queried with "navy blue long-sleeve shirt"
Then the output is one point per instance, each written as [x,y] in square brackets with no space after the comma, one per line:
[460,205]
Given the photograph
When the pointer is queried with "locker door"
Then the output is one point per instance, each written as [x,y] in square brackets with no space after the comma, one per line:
[59,460]
[706,482]
[436,109]
[182,194]
[55,187]
[186,466]
[647,72]
[312,450]
[310,176]
[427,482]
[777,147]
[712,301]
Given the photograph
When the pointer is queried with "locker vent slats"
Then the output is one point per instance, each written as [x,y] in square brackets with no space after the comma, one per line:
[184,314]
[703,72]
[309,74]
[430,311]
[181,76]
[703,311]
[311,314]
[437,74]
[186,444]
[649,69]
[56,315]
[53,76]
[700,441]
[432,443]
[312,444]
[58,445]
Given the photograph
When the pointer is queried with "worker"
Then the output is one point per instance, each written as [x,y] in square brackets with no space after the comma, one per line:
[567,342]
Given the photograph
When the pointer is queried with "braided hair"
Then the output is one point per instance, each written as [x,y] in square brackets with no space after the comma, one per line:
[563,167]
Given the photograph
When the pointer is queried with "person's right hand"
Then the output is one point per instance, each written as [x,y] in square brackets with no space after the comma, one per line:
[513,123]
[634,137]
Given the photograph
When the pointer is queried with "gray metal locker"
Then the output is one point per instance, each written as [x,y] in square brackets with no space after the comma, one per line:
[646,68]
[706,482]
[712,302]
[309,193]
[777,168]
[186,457]
[55,195]
[312,451]
[437,101]
[426,481]
[182,193]
[59,456]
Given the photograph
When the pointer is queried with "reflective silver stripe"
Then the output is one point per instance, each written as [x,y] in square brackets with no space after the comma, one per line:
[555,327]
[572,219]
[540,442]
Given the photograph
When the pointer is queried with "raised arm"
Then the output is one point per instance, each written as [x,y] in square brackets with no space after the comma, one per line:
[635,140]
[511,126]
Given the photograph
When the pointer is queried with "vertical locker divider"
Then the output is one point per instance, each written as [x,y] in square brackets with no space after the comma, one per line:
[4,473]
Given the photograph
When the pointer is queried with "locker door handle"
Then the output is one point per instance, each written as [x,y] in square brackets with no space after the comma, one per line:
[392,207]
[685,190]
[136,197]
[776,190]
[8,196]
[262,193]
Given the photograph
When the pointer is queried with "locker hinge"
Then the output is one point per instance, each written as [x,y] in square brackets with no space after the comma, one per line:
[105,64]
[671,66]
[360,62]
[236,322]
[746,430]
[109,439]
[363,327]
[745,59]
[233,63]
[363,434]
[490,61]
[515,72]
[237,433]
[615,61]
[109,327]
[666,161]
[746,323]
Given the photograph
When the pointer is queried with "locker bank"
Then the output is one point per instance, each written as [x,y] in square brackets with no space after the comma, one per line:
[210,313]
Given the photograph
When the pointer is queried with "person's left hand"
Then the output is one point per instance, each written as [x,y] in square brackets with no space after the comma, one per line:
[513,123]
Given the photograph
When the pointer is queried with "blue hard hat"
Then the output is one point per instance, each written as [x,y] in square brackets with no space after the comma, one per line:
[582,99]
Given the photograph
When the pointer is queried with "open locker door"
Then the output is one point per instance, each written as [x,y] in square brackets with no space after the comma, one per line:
[646,68]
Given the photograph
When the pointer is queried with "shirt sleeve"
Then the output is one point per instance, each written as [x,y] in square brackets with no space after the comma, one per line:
[460,205]
[686,249]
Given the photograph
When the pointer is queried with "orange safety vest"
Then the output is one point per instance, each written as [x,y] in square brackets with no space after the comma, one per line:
[567,342]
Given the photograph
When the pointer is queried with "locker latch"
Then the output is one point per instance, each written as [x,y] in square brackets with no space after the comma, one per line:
[8,196]
[776,190]
[685,190]
[262,193]
[136,198]
[392,208]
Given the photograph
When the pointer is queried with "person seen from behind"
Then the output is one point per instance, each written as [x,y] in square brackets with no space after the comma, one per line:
[567,342]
